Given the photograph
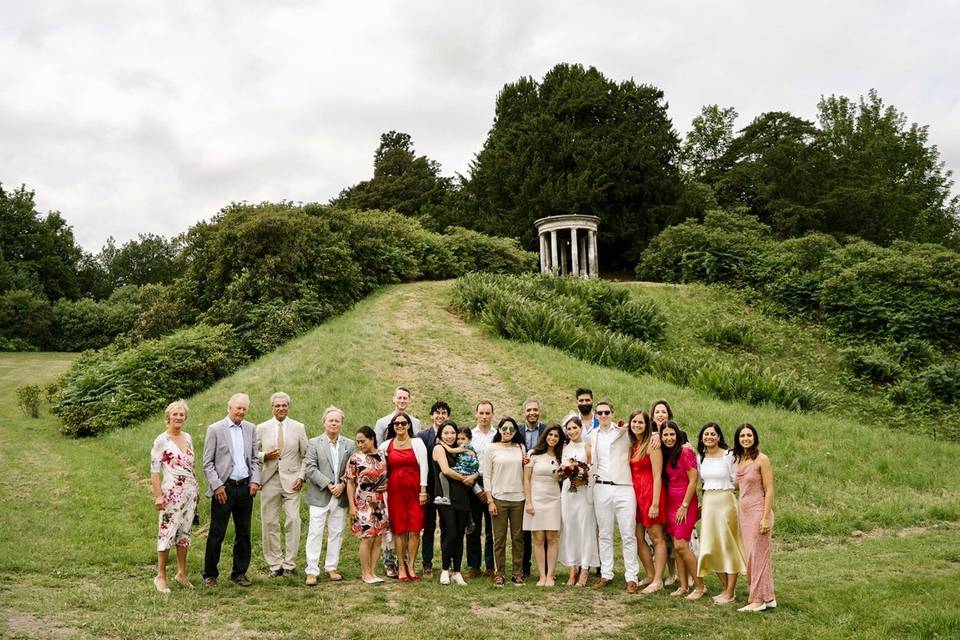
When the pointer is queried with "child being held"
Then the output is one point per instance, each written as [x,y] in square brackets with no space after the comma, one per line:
[466,464]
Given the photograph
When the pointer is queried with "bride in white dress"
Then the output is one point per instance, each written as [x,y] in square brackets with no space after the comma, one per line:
[579,548]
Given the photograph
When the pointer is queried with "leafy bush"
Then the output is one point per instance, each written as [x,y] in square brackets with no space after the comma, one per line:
[640,319]
[85,324]
[478,252]
[725,247]
[872,364]
[728,333]
[757,386]
[16,344]
[28,397]
[26,318]
[114,388]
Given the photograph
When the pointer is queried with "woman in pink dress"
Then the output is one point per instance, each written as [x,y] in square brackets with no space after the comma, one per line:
[755,482]
[680,473]
[407,476]
[646,466]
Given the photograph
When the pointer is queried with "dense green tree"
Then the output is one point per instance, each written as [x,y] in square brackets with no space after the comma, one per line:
[577,142]
[150,259]
[37,253]
[709,137]
[401,181]
[887,181]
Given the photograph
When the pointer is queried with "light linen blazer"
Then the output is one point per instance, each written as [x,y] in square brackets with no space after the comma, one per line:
[290,465]
[619,462]
[319,471]
[218,453]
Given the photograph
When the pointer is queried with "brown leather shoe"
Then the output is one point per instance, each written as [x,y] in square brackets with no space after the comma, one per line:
[241,580]
[210,581]
[632,587]
[488,573]
[600,583]
[334,576]
[473,573]
[311,581]
[428,574]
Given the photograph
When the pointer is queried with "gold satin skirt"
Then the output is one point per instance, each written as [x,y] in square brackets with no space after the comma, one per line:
[721,549]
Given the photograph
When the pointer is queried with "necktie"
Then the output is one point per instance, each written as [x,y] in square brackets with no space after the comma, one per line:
[280,436]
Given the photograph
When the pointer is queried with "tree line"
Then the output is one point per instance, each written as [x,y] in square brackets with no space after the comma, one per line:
[579,142]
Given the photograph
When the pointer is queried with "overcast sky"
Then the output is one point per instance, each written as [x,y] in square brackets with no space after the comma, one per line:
[133,117]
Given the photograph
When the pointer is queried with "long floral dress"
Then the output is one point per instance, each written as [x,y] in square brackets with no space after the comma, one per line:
[179,488]
[369,474]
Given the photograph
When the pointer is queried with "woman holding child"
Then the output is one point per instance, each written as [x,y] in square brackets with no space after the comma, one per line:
[453,502]
[503,481]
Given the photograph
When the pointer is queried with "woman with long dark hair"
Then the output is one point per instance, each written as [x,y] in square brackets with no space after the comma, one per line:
[755,481]
[454,506]
[407,475]
[543,515]
[721,550]
[646,467]
[503,481]
[680,474]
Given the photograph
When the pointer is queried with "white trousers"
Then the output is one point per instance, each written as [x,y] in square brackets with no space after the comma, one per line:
[333,515]
[617,503]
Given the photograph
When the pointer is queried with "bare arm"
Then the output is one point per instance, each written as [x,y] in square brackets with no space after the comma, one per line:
[445,469]
[351,495]
[656,463]
[766,475]
[528,489]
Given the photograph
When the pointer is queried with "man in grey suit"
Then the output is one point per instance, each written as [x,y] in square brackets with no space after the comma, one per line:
[232,468]
[324,468]
[282,447]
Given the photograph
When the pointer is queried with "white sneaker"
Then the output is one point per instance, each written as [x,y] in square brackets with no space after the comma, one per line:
[445,577]
[458,579]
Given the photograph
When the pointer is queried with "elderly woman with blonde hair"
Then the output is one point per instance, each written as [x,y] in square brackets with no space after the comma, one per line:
[175,494]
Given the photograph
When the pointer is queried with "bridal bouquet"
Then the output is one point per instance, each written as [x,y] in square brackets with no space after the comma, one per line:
[577,472]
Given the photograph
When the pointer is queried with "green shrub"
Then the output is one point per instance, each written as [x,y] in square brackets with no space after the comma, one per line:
[728,333]
[757,386]
[16,344]
[478,252]
[640,319]
[28,397]
[163,310]
[872,364]
[85,324]
[942,382]
[114,388]
[26,317]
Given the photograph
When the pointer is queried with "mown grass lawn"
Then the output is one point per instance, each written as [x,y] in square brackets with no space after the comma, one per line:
[77,527]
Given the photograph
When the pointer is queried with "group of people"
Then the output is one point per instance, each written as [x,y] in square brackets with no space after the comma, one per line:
[554,493]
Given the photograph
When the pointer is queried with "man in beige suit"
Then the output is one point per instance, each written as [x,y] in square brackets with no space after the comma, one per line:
[282,447]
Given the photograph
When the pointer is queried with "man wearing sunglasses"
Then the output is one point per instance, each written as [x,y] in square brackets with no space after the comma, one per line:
[613,497]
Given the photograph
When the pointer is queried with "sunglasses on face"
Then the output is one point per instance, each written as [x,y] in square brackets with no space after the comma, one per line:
[507,429]
[604,413]
[401,423]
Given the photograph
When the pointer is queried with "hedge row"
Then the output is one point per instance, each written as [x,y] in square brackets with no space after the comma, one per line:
[536,309]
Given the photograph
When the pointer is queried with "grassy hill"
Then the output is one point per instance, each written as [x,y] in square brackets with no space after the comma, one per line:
[76,554]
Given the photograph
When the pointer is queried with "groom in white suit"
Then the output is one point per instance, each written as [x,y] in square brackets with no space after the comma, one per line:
[282,447]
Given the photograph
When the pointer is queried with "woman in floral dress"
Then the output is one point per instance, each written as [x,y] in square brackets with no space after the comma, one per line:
[175,496]
[366,485]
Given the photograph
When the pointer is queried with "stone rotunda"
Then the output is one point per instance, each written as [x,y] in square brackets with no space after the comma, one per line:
[568,245]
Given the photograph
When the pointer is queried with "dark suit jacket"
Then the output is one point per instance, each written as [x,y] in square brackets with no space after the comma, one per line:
[523,433]
[429,438]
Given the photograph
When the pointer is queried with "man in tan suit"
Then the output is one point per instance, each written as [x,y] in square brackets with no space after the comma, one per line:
[282,447]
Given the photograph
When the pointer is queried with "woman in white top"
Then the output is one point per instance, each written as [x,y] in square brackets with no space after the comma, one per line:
[578,535]
[720,547]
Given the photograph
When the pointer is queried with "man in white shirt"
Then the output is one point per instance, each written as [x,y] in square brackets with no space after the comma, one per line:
[613,497]
[401,401]
[282,447]
[482,437]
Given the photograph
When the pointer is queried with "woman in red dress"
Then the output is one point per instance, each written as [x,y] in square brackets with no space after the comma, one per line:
[407,467]
[646,466]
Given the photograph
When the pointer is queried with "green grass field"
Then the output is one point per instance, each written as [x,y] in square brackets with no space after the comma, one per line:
[77,528]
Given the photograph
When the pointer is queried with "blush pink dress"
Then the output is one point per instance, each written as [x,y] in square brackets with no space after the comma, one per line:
[757,547]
